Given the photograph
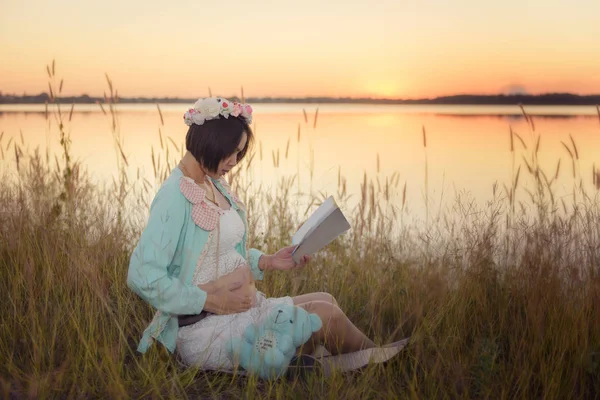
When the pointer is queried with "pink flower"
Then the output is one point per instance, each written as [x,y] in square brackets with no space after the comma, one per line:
[247,113]
[188,117]
[237,109]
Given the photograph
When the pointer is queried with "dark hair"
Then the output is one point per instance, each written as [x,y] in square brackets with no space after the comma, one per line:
[216,139]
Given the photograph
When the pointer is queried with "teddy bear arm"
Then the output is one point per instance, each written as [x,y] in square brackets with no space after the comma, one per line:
[274,358]
[286,345]
[316,322]
[250,334]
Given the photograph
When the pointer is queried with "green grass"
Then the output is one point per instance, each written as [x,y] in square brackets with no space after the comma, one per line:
[499,303]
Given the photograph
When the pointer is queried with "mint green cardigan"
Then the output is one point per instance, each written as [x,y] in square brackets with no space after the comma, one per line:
[163,262]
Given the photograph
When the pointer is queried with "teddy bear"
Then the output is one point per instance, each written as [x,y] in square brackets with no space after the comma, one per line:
[268,348]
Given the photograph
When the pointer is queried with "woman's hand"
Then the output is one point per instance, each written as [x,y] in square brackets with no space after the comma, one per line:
[209,287]
[241,274]
[283,261]
[224,300]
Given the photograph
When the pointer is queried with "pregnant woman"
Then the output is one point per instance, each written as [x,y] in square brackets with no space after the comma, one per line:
[192,263]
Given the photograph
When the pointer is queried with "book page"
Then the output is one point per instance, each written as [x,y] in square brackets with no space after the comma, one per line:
[321,235]
[315,219]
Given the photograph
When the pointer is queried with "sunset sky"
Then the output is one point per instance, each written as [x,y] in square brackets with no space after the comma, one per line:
[400,48]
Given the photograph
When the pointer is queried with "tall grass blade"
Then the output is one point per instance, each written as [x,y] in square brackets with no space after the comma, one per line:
[162,120]
[574,147]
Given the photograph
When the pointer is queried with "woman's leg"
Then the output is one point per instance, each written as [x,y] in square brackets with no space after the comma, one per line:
[317,296]
[339,335]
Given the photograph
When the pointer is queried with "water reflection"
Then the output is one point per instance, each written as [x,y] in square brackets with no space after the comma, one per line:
[468,148]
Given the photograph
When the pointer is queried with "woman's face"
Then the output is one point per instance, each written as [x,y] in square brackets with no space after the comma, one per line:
[230,161]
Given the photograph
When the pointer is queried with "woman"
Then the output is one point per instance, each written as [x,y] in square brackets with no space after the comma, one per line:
[192,263]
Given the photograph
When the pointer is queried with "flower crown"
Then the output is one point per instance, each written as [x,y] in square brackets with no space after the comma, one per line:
[212,107]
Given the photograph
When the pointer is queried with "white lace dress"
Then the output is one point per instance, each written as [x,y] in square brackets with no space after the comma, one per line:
[203,343]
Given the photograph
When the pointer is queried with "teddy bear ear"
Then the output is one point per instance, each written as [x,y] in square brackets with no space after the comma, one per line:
[315,322]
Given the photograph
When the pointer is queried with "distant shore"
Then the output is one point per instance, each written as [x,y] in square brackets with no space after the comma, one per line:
[466,99]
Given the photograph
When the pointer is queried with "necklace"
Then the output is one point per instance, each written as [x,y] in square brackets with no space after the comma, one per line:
[212,190]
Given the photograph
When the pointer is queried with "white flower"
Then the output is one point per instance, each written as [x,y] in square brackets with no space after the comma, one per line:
[198,118]
[209,108]
[187,117]
[193,116]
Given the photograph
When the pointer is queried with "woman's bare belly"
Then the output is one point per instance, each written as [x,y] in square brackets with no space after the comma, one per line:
[244,276]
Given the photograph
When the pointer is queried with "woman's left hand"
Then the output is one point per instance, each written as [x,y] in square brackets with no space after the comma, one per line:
[283,261]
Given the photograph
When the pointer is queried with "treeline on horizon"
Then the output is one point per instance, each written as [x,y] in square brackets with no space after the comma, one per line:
[463,99]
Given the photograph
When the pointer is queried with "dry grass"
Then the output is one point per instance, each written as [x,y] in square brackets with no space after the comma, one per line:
[499,302]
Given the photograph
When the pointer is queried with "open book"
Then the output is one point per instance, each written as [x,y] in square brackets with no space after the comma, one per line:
[321,228]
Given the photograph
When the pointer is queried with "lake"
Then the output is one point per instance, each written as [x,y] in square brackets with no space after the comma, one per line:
[467,147]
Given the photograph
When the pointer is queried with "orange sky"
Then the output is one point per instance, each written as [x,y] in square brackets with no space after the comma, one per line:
[387,48]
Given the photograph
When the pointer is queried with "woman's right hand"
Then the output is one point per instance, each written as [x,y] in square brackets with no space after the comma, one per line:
[224,300]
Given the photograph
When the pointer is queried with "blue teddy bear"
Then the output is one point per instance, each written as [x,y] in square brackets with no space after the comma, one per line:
[267,350]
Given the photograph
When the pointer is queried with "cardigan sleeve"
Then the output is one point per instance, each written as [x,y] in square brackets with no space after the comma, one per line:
[149,266]
[254,256]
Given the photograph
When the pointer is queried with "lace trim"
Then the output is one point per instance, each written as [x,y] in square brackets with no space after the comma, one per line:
[218,263]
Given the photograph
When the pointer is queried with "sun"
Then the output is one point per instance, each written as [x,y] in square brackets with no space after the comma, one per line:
[382,88]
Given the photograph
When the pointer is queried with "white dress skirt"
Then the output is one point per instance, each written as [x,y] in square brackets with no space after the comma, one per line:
[203,344]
